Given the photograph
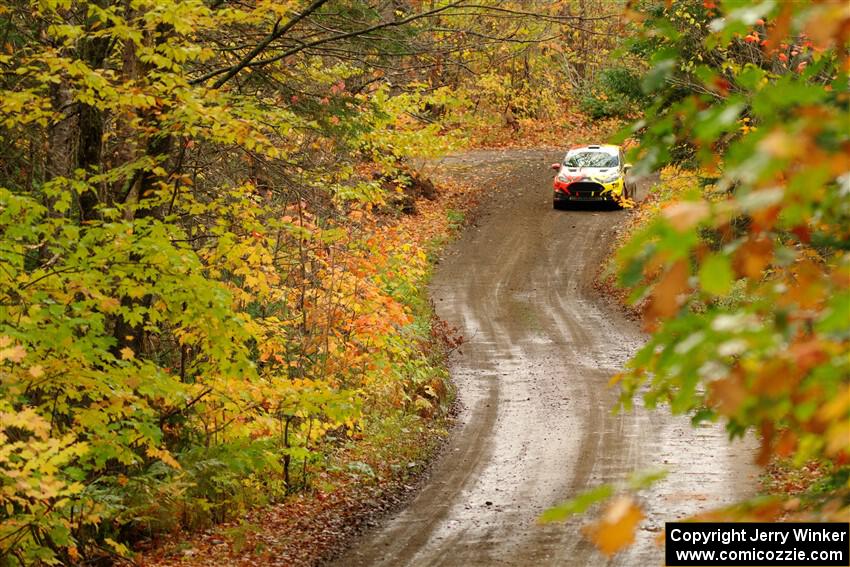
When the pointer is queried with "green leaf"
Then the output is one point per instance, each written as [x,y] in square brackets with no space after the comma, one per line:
[715,275]
[656,78]
[644,479]
[577,505]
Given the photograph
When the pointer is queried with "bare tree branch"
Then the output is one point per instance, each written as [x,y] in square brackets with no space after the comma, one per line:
[248,60]
[277,33]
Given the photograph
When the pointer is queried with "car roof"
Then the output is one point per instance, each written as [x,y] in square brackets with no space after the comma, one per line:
[603,148]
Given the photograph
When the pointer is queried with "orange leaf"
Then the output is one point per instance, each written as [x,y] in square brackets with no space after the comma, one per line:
[665,298]
[764,219]
[787,443]
[616,528]
[776,377]
[728,393]
[683,216]
[781,25]
[826,26]
[808,354]
[753,257]
[808,289]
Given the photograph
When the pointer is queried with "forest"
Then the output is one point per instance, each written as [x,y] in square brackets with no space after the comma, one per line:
[220,218]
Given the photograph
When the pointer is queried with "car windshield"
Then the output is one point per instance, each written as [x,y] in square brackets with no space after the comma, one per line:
[592,159]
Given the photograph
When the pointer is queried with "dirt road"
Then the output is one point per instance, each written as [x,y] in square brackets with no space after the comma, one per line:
[536,426]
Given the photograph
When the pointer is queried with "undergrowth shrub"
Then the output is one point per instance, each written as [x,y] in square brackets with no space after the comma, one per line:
[614,93]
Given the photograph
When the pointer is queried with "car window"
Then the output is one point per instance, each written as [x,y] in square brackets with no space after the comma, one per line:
[592,159]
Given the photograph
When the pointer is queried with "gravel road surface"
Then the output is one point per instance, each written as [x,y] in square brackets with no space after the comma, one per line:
[537,425]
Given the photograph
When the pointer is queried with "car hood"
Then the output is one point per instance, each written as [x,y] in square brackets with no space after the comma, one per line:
[587,171]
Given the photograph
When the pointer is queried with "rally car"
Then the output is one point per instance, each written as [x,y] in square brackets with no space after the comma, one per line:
[593,173]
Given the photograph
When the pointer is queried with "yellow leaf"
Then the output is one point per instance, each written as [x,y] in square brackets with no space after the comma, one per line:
[163,456]
[14,353]
[838,438]
[109,304]
[127,353]
[838,407]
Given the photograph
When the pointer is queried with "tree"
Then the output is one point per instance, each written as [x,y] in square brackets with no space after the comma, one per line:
[195,287]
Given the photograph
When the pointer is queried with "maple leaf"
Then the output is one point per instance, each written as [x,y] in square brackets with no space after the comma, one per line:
[616,528]
[728,394]
[665,299]
[753,257]
[14,353]
[685,215]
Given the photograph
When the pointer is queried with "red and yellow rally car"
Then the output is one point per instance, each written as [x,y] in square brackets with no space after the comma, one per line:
[593,173]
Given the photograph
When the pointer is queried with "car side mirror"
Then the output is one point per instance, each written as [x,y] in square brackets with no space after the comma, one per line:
[556,166]
[627,166]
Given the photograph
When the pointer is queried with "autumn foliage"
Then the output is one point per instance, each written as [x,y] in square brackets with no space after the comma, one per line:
[746,276]
[207,282]
[738,261]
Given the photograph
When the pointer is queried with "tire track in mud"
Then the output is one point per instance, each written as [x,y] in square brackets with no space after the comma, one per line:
[537,427]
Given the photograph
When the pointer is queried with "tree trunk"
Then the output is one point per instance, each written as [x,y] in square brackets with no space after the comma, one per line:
[141,188]
[93,51]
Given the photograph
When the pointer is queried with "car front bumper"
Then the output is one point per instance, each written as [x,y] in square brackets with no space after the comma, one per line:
[587,190]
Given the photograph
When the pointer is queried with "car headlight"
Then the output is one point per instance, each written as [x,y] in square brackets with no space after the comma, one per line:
[562,177]
[610,178]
